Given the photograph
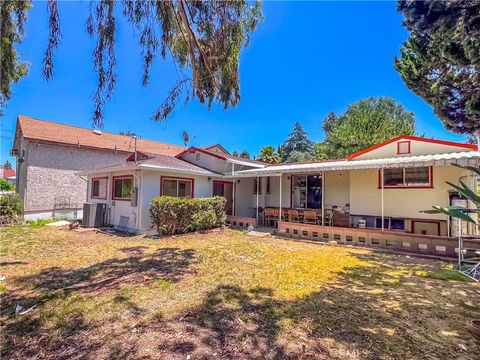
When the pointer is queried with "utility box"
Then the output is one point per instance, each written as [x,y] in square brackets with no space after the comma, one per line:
[94,215]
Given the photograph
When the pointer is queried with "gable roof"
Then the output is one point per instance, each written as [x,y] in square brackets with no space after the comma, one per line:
[464,147]
[211,147]
[51,132]
[226,157]
[155,162]
[7,173]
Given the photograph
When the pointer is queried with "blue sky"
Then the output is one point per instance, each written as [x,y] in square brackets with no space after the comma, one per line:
[305,60]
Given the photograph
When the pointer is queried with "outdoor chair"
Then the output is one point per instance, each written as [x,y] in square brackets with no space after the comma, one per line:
[293,216]
[310,217]
[270,216]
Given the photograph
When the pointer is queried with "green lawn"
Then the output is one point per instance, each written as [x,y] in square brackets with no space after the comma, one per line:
[225,295]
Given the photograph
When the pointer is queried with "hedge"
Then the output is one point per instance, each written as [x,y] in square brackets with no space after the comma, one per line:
[11,209]
[174,215]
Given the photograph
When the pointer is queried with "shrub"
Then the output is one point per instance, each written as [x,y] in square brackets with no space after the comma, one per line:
[11,209]
[172,215]
[204,220]
[6,186]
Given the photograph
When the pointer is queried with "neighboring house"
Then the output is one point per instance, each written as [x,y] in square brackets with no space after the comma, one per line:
[50,154]
[384,187]
[8,174]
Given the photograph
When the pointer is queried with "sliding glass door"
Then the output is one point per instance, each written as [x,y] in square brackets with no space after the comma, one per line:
[307,191]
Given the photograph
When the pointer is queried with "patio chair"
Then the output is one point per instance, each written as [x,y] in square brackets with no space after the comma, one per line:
[310,217]
[293,216]
[270,216]
[329,214]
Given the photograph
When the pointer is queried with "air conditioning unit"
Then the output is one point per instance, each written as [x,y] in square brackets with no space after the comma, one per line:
[94,215]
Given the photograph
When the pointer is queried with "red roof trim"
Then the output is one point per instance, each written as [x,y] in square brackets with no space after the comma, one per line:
[417,138]
[193,150]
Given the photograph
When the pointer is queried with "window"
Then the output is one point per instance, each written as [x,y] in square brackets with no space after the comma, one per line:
[403,147]
[307,191]
[122,187]
[177,187]
[268,185]
[257,186]
[407,177]
[99,188]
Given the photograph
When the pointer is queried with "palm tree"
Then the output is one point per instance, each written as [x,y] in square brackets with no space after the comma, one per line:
[268,155]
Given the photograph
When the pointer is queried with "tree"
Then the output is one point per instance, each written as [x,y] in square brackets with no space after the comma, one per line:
[365,123]
[235,153]
[245,154]
[440,60]
[7,165]
[299,156]
[6,186]
[298,141]
[13,15]
[268,155]
[127,133]
[202,38]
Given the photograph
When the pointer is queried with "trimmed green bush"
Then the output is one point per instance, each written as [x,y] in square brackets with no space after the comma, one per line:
[11,209]
[173,215]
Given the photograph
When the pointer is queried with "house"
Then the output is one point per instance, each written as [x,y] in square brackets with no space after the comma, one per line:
[382,189]
[8,174]
[50,154]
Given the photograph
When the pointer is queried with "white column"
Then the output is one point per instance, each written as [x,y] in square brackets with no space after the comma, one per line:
[280,206]
[258,190]
[234,189]
[323,198]
[383,215]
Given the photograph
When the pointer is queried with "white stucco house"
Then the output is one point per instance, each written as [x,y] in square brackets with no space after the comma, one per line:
[383,188]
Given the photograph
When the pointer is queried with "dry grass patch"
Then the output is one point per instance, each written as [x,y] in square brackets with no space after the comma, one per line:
[223,294]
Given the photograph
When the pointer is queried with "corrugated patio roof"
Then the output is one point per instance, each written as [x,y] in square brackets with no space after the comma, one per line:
[464,157]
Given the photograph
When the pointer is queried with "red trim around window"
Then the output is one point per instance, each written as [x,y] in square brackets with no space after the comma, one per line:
[429,186]
[177,178]
[416,138]
[91,188]
[398,147]
[428,222]
[113,187]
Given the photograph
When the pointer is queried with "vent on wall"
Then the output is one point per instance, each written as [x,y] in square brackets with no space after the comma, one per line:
[403,147]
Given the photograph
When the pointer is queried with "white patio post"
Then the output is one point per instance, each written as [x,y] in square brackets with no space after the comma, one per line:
[323,198]
[383,215]
[280,206]
[258,190]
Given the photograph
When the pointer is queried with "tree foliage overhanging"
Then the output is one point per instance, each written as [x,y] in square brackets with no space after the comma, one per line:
[440,61]
[203,38]
[365,123]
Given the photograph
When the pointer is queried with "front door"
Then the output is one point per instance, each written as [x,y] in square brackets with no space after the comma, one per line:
[225,189]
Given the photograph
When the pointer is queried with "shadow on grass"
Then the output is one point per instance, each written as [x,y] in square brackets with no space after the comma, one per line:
[69,326]
[383,311]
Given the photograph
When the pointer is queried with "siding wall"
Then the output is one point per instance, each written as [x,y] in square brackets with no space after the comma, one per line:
[49,171]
